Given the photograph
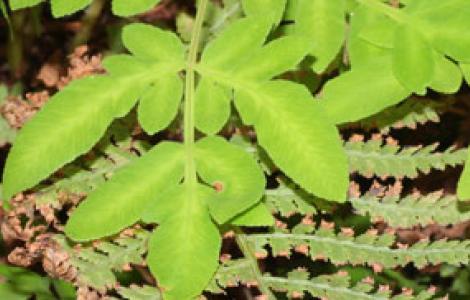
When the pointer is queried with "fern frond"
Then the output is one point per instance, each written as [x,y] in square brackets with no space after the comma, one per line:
[409,114]
[231,274]
[95,265]
[412,210]
[373,157]
[286,200]
[368,248]
[79,180]
[336,286]
[139,292]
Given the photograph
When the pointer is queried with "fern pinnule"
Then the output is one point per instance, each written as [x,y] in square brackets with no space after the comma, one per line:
[96,265]
[373,157]
[369,248]
[299,281]
[412,210]
[409,114]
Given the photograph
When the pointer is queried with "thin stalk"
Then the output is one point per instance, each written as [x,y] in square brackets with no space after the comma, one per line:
[190,166]
[89,20]
[250,255]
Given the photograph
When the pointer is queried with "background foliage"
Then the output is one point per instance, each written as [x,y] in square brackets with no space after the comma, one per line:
[275,80]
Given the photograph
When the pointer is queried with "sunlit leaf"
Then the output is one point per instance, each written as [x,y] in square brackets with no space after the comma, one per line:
[233,172]
[121,201]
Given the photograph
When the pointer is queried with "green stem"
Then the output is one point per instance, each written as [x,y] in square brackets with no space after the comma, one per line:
[190,166]
[250,255]
[88,23]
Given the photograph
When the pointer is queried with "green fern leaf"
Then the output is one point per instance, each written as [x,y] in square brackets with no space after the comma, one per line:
[372,157]
[447,21]
[265,7]
[381,30]
[218,56]
[409,114]
[256,216]
[350,97]
[19,4]
[413,59]
[149,42]
[275,58]
[411,210]
[286,200]
[264,104]
[26,165]
[432,35]
[212,106]
[318,144]
[96,266]
[240,180]
[108,209]
[367,248]
[139,293]
[62,8]
[359,50]
[322,23]
[466,72]
[335,286]
[447,75]
[159,104]
[463,186]
[184,249]
[127,8]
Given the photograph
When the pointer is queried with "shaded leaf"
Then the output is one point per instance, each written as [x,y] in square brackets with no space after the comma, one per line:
[463,186]
[466,72]
[128,8]
[62,8]
[19,4]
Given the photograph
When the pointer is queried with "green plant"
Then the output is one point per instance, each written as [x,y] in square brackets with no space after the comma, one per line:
[22,284]
[197,189]
[62,8]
